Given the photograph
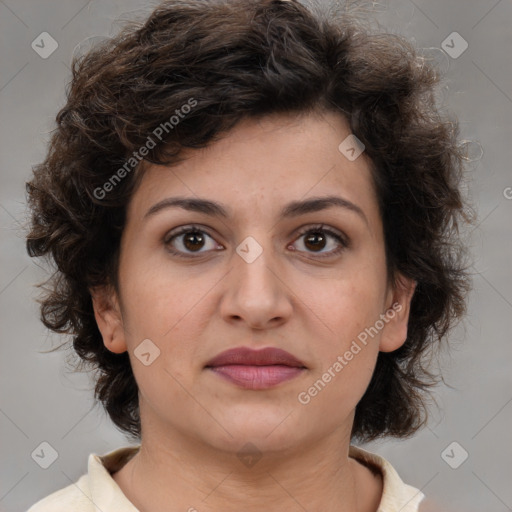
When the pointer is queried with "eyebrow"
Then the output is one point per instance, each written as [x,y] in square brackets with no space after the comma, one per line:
[291,210]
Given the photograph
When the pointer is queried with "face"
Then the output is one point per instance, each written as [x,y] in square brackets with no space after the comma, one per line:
[275,271]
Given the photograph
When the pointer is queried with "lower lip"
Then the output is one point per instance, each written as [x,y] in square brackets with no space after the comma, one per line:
[257,377]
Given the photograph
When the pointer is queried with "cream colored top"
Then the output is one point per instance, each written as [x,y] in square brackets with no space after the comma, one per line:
[97,491]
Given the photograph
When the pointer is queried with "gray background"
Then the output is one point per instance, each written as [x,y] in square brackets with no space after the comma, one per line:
[41,400]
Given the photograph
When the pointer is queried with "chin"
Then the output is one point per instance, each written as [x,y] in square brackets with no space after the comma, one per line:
[269,430]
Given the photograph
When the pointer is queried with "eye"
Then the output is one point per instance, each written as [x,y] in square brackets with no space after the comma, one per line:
[316,239]
[187,240]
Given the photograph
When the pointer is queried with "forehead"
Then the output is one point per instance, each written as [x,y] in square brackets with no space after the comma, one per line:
[262,164]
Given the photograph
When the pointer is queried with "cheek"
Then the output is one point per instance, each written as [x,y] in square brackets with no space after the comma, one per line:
[346,354]
[334,394]
[172,310]
[160,298]
[172,315]
[345,359]
[352,303]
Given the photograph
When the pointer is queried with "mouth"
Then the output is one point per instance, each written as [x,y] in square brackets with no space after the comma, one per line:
[256,369]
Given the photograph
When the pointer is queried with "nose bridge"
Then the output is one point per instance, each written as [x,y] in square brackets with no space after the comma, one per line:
[256,293]
[252,266]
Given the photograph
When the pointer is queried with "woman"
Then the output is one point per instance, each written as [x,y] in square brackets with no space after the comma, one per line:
[253,210]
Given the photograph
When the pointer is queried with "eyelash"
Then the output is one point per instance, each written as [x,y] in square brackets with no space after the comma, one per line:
[341,239]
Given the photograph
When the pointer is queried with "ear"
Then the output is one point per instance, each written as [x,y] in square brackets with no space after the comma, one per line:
[396,317]
[109,319]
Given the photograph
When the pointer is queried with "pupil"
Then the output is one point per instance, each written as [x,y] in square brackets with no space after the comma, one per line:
[315,237]
[193,238]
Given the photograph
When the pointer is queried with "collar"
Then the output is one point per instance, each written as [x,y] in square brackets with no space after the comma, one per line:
[108,496]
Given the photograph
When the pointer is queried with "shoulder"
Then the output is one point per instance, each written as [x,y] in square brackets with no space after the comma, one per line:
[94,491]
[396,495]
[73,497]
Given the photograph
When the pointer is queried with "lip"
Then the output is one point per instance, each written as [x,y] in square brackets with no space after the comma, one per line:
[256,369]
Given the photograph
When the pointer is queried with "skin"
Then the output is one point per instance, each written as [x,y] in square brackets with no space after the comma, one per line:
[194,422]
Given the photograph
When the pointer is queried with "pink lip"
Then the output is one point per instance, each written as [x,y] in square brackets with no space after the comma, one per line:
[256,369]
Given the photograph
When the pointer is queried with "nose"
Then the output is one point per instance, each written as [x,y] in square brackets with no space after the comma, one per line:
[256,293]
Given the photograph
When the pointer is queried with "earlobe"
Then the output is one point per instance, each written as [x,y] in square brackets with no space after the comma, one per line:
[394,333]
[109,319]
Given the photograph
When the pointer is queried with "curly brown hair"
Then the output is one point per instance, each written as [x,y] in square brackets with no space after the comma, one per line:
[237,59]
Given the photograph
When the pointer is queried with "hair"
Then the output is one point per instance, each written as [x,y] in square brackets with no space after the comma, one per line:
[234,60]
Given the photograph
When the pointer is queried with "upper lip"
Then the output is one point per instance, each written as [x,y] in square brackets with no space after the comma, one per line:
[250,357]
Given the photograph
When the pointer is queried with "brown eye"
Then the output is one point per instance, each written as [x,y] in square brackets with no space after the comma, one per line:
[188,241]
[316,239]
[193,240]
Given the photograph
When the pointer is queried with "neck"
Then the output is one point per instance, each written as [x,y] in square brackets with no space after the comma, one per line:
[187,475]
